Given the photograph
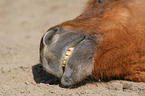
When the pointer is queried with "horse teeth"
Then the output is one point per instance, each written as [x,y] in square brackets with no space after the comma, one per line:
[64,62]
[66,57]
[68,53]
[71,49]
[63,65]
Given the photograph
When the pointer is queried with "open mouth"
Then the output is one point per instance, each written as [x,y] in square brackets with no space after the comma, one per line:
[67,55]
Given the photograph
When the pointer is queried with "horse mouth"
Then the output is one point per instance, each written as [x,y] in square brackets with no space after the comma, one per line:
[66,57]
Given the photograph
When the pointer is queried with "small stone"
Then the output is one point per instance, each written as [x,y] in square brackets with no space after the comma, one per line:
[27,83]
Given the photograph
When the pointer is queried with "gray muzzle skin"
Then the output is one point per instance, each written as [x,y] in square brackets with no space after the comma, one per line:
[80,63]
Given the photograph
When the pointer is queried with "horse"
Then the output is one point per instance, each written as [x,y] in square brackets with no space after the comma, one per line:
[106,42]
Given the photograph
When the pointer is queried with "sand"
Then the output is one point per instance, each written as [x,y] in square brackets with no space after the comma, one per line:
[22,23]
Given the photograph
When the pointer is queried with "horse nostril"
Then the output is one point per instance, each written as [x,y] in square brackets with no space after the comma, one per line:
[50,33]
[55,29]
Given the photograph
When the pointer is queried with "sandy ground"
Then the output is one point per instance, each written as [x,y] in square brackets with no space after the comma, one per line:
[22,23]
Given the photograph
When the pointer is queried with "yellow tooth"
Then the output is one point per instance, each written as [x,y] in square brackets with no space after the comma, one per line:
[68,53]
[71,49]
[66,57]
[63,65]
[64,62]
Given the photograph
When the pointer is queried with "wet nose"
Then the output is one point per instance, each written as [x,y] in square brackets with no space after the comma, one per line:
[50,33]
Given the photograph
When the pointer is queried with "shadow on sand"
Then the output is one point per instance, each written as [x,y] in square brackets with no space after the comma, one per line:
[41,76]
